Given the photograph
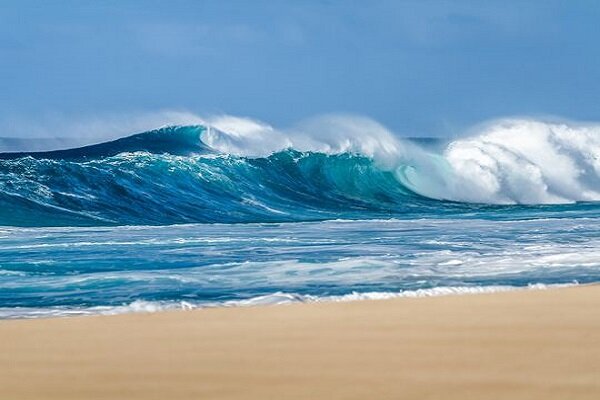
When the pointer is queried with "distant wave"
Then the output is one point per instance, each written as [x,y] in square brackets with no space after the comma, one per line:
[237,170]
[168,140]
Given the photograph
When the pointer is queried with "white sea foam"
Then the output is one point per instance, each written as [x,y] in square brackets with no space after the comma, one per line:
[278,298]
[530,162]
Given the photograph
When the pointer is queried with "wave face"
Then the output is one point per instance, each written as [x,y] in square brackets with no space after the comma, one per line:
[235,170]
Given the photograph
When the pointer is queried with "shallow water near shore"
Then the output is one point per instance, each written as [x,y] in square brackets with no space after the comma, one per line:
[66,271]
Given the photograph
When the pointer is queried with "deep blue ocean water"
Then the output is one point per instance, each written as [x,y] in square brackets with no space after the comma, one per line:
[172,218]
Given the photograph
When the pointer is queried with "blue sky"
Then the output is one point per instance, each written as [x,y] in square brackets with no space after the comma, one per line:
[418,67]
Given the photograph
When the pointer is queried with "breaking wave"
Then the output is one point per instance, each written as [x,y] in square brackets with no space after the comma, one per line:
[237,170]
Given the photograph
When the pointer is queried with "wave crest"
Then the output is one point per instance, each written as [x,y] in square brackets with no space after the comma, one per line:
[238,170]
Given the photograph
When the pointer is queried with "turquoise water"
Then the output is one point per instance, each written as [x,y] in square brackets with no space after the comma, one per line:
[169,219]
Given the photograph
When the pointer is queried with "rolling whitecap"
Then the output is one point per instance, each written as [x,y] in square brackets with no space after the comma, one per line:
[190,174]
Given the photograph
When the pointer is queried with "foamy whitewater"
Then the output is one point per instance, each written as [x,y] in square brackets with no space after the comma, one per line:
[229,211]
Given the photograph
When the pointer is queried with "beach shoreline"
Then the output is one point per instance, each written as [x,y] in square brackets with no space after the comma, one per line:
[521,344]
[273,299]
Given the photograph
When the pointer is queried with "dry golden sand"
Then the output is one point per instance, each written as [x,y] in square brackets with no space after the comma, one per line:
[517,345]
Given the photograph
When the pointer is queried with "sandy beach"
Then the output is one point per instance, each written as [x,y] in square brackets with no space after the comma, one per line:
[515,345]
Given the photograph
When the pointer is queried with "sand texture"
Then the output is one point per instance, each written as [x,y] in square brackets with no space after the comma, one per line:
[542,344]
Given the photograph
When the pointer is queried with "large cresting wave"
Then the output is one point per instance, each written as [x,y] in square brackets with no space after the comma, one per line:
[237,170]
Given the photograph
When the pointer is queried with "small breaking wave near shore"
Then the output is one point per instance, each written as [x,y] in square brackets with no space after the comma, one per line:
[232,169]
[279,298]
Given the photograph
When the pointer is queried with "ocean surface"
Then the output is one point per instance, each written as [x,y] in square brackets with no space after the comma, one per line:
[237,213]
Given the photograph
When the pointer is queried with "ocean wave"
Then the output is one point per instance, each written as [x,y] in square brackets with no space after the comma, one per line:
[237,170]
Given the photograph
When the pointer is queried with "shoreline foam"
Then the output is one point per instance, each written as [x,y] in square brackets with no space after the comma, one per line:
[278,298]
